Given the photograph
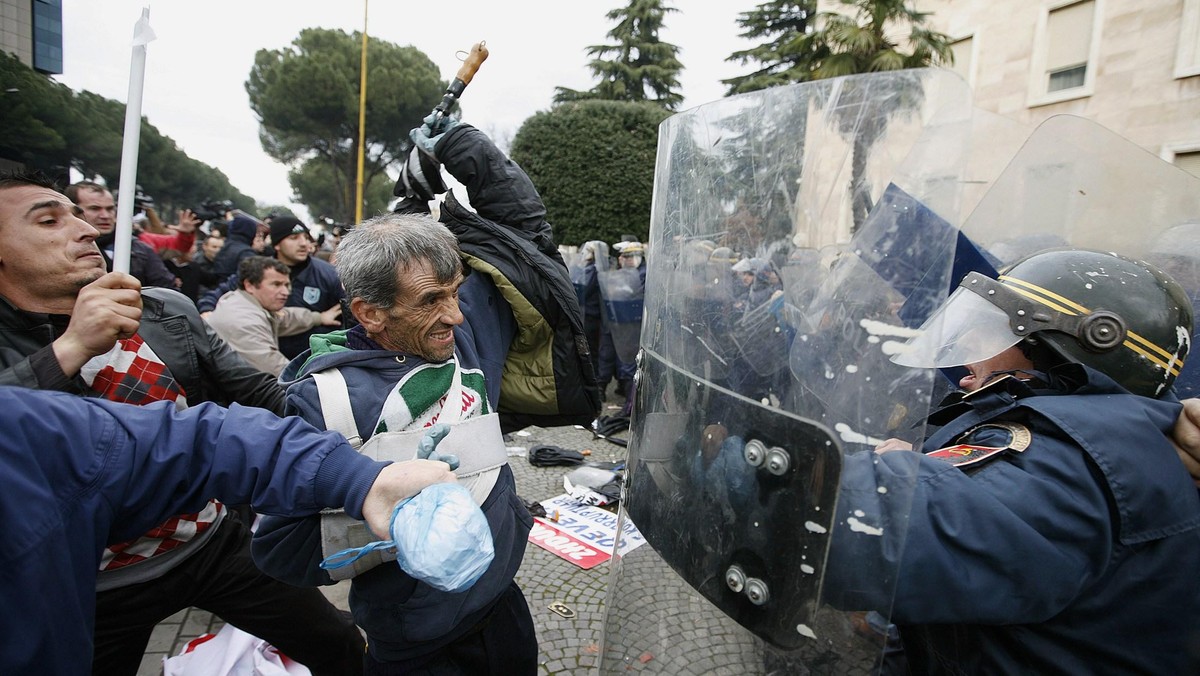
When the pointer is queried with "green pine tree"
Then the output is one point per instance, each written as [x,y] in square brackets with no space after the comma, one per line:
[785,57]
[639,67]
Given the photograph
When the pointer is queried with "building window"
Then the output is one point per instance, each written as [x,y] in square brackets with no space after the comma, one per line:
[963,50]
[1068,37]
[1189,162]
[47,36]
[1067,78]
[1065,52]
[1187,57]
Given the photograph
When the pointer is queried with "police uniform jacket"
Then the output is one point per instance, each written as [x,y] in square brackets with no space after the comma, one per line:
[1074,555]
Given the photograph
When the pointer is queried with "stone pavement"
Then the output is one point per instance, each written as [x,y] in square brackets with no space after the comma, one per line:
[568,645]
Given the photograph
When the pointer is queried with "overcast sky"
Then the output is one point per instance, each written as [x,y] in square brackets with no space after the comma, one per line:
[196,70]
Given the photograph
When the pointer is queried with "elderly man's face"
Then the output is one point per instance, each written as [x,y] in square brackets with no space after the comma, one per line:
[423,318]
[46,251]
[98,208]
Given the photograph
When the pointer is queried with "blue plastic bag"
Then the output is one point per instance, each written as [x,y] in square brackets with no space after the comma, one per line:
[441,538]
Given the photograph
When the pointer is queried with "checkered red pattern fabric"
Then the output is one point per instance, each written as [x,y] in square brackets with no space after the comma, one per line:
[132,373]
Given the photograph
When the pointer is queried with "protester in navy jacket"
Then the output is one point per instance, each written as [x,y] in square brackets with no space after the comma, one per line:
[77,473]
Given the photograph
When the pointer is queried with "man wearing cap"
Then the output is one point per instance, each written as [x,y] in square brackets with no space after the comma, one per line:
[315,283]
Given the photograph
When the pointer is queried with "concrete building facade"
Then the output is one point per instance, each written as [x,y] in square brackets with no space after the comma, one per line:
[1130,65]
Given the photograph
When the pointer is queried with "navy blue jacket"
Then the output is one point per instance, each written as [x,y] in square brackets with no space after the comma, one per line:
[78,473]
[1075,556]
[403,618]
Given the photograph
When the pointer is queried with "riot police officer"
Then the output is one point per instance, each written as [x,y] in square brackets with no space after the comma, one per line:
[1051,495]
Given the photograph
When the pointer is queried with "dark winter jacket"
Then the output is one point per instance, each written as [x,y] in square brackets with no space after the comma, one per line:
[237,247]
[403,618]
[202,363]
[510,241]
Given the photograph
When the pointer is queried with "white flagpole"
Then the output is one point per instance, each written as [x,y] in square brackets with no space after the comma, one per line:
[142,34]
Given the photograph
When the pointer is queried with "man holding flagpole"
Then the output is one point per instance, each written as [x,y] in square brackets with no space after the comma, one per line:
[67,325]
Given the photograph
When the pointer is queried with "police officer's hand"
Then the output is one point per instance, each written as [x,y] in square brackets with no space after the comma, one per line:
[427,446]
[105,311]
[396,482]
[1186,437]
[893,444]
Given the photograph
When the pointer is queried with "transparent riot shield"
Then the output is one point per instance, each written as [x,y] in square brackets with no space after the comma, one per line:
[584,267]
[744,421]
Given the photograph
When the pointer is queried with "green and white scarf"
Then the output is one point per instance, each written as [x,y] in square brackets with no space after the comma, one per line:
[420,398]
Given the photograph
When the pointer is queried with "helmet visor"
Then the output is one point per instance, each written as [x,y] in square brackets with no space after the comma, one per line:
[964,330]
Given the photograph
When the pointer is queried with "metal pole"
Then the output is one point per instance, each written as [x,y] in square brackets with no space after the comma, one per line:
[362,122]
[123,234]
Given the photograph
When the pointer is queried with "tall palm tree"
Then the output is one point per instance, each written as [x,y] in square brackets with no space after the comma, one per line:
[857,39]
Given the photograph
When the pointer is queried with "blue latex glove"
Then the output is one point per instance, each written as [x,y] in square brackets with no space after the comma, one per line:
[426,136]
[427,446]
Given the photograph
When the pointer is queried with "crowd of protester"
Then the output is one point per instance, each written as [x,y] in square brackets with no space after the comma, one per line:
[262,318]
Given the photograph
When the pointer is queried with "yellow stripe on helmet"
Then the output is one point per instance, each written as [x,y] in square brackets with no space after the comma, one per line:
[1160,357]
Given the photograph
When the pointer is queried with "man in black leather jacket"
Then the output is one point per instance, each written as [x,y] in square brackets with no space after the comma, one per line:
[67,325]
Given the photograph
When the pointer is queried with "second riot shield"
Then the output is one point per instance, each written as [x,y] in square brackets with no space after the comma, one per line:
[623,289]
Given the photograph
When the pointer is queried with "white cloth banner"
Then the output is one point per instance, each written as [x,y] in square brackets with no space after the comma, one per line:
[231,652]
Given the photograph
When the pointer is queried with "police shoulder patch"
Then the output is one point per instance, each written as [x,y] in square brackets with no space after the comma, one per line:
[1016,437]
[961,455]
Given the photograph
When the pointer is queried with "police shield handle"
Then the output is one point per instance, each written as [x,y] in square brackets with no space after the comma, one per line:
[396,482]
[465,74]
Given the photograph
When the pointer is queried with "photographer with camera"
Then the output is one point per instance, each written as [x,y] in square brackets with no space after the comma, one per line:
[97,207]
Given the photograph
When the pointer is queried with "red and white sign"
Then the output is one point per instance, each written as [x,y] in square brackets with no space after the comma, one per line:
[583,534]
[565,546]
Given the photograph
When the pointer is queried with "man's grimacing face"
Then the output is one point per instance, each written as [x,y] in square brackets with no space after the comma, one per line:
[46,250]
[424,315]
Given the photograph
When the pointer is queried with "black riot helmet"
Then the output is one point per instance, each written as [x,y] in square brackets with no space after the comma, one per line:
[1122,317]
